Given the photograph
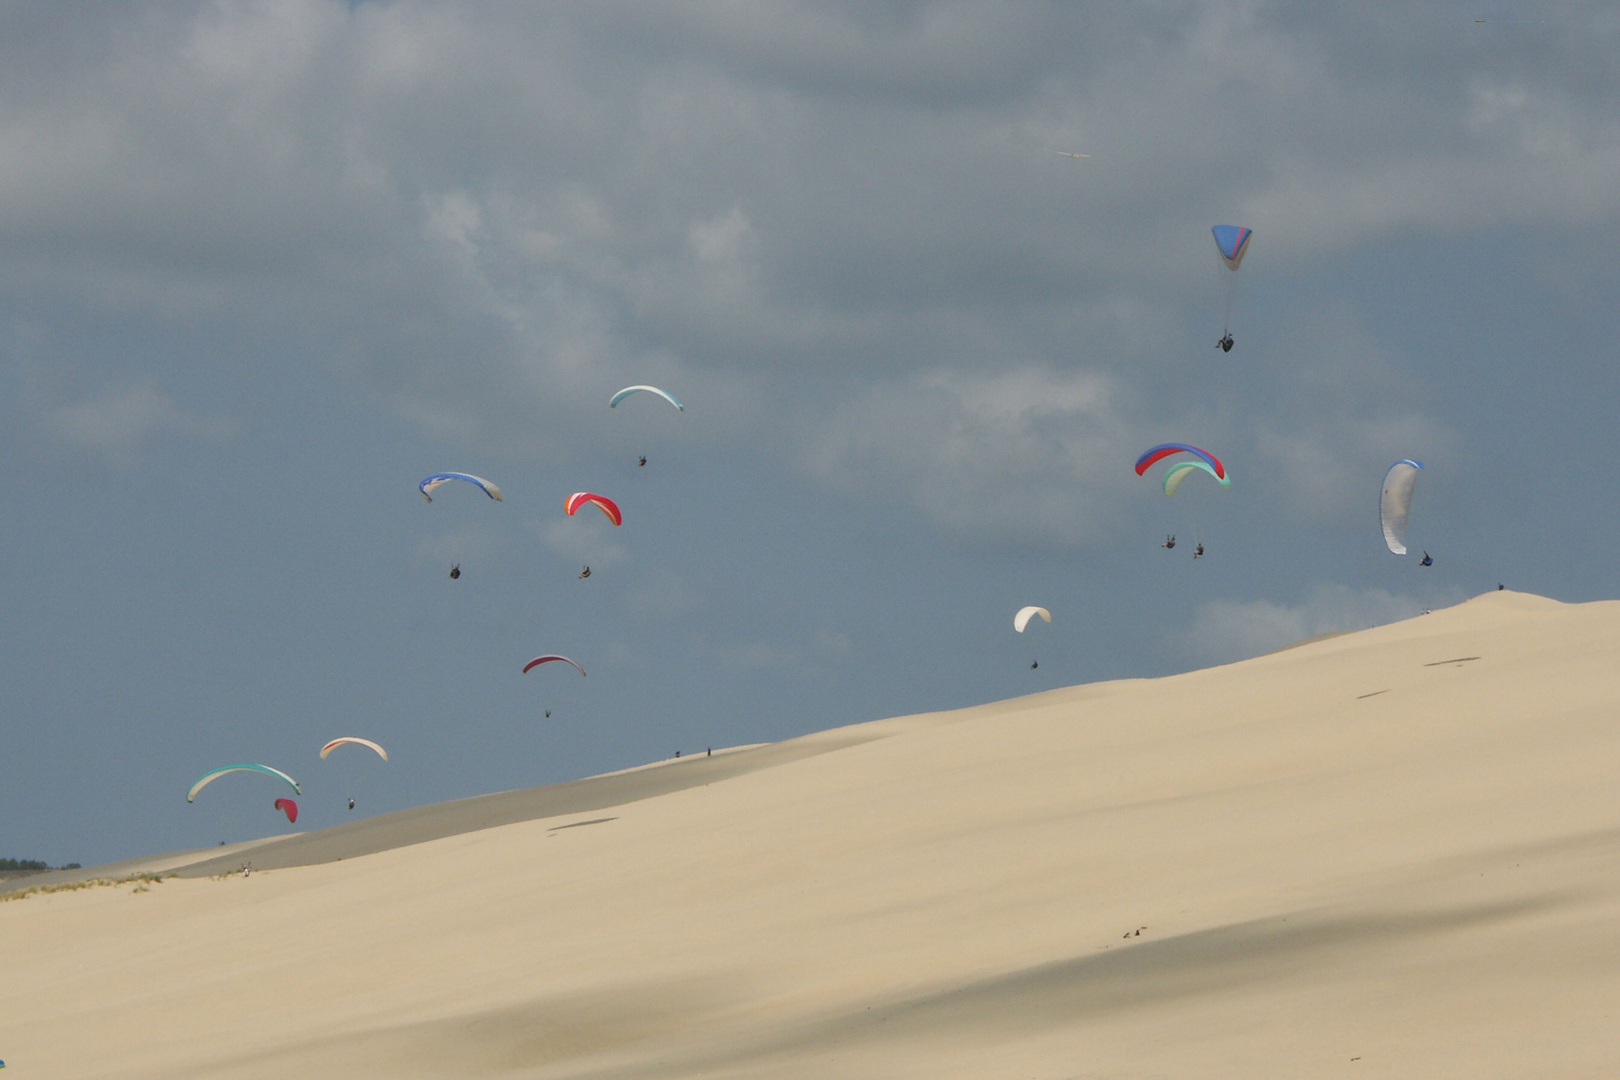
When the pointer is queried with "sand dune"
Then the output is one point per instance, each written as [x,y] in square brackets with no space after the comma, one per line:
[1389,853]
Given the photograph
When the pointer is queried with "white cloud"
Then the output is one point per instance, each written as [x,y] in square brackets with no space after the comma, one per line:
[1028,452]
[664,597]
[120,423]
[587,542]
[472,543]
[1222,631]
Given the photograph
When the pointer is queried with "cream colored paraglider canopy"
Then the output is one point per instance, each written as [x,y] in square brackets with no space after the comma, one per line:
[356,740]
[1021,619]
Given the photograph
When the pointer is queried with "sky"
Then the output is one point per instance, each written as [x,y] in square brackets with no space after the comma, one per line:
[265,266]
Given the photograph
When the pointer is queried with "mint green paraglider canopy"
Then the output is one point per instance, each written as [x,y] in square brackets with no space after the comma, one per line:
[209,778]
[613,402]
[1179,472]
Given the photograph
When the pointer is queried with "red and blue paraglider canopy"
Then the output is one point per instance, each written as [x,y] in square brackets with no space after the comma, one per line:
[1164,450]
[1233,240]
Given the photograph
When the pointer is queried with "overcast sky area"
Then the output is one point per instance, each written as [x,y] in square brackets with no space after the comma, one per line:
[263,267]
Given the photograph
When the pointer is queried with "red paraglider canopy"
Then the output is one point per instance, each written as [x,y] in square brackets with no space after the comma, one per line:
[288,807]
[602,502]
[548,658]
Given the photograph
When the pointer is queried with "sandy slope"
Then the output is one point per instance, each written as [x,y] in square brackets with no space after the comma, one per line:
[1367,856]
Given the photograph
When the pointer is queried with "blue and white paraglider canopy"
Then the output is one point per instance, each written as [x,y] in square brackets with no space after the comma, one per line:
[438,480]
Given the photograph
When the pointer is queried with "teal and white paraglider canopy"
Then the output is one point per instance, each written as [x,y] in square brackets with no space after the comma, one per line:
[244,766]
[1395,503]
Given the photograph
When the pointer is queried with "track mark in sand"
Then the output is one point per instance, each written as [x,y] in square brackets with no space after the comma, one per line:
[577,824]
[1375,693]
[1453,660]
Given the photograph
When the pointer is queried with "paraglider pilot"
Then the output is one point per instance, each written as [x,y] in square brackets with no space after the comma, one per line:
[1169,541]
[1199,550]
[1225,344]
[351,804]
[585,573]
[455,572]
[643,460]
[1428,560]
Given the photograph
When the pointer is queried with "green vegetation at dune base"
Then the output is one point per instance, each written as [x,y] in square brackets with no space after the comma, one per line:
[18,867]
[141,882]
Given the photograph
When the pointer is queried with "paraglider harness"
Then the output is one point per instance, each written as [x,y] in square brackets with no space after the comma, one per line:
[1225,344]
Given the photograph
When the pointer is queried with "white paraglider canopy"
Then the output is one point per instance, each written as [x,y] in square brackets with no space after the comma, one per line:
[1395,504]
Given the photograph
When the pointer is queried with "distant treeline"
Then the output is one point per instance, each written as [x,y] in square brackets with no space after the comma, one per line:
[33,864]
